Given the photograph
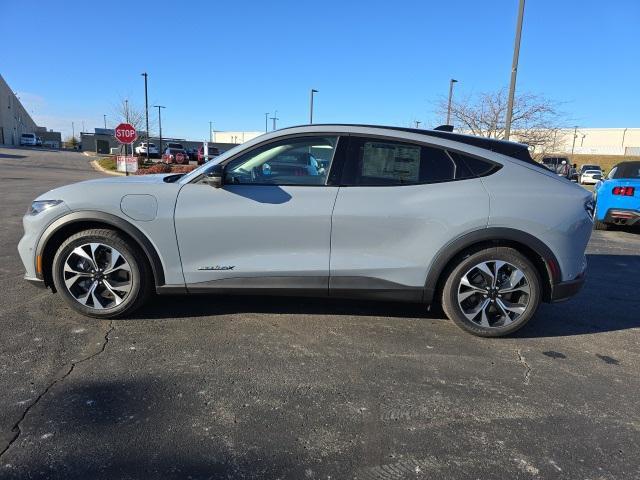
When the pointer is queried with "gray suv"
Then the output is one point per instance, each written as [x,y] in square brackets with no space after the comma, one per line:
[356,211]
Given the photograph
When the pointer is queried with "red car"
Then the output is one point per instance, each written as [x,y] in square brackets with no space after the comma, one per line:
[202,158]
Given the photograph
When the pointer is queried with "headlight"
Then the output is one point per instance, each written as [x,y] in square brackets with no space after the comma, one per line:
[41,205]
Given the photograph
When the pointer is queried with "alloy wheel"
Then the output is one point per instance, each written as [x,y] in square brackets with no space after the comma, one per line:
[494,294]
[97,276]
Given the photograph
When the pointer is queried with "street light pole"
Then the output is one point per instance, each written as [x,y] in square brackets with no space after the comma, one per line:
[575,135]
[105,121]
[451,82]
[160,125]
[418,122]
[274,118]
[210,132]
[514,71]
[266,120]
[311,105]
[146,110]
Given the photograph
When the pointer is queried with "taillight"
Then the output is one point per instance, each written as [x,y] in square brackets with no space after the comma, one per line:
[624,191]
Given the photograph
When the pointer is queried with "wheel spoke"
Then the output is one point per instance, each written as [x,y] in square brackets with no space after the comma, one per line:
[120,287]
[511,307]
[473,313]
[116,297]
[497,265]
[81,253]
[462,296]
[505,314]
[487,273]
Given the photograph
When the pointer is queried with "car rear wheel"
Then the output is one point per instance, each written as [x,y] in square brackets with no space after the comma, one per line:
[492,292]
[101,275]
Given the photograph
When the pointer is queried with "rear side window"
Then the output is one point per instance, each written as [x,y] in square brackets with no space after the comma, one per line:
[379,162]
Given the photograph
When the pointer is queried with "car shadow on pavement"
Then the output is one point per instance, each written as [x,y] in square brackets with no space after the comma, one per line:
[8,155]
[140,427]
[609,301]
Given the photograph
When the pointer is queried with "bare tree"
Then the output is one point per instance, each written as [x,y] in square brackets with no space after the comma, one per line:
[536,119]
[126,111]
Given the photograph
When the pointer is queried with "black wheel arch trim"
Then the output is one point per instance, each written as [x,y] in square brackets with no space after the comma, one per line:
[109,220]
[489,234]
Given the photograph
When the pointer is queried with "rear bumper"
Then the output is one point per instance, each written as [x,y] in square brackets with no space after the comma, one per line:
[565,290]
[622,216]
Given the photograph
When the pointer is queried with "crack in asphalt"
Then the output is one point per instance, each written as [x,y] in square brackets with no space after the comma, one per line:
[523,362]
[16,427]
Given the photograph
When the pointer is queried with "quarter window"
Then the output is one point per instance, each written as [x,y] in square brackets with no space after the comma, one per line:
[296,161]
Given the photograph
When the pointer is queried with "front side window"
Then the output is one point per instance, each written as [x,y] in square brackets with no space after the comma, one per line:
[295,161]
[374,162]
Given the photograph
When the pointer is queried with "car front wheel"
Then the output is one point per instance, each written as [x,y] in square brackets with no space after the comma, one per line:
[492,292]
[100,274]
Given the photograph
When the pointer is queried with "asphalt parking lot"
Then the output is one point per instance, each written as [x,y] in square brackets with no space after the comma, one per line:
[228,387]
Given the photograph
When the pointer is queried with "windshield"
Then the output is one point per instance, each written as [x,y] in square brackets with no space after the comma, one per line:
[628,170]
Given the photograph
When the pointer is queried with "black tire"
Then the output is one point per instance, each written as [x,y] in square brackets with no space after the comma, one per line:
[454,311]
[140,276]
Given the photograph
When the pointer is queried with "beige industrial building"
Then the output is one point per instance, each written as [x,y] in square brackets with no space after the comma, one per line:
[600,141]
[15,120]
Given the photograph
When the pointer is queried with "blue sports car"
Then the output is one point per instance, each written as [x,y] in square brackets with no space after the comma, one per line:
[618,196]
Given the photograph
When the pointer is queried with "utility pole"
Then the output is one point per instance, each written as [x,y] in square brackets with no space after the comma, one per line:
[451,82]
[575,135]
[274,118]
[210,132]
[73,134]
[105,121]
[514,72]
[146,110]
[311,105]
[266,120]
[160,125]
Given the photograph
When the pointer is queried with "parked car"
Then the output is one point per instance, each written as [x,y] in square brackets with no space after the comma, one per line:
[192,154]
[586,167]
[141,150]
[590,177]
[401,214]
[212,152]
[618,196]
[175,153]
[29,139]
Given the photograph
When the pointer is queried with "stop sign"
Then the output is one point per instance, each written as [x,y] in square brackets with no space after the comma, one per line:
[125,133]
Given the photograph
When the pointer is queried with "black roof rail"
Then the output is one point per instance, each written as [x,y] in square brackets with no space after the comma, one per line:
[444,128]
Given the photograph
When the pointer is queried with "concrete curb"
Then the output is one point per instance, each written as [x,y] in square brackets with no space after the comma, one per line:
[96,166]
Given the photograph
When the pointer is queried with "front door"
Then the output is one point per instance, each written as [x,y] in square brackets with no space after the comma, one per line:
[268,226]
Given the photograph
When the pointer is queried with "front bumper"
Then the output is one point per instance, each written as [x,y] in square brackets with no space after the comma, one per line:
[36,282]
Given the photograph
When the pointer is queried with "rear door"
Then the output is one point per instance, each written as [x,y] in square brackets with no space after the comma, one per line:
[268,226]
[399,203]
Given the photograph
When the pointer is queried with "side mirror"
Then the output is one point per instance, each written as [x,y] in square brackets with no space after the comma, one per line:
[214,176]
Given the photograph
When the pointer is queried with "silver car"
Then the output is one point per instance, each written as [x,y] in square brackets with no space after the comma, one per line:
[354,211]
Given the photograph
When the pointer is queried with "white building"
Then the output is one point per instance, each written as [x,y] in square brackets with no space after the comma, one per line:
[601,141]
[233,137]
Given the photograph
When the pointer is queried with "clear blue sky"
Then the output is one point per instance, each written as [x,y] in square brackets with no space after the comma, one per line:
[373,61]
